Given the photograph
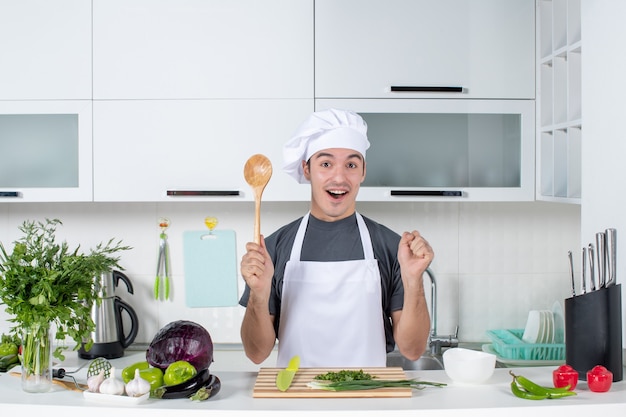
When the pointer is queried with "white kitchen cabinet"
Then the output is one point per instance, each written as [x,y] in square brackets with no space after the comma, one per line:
[446,150]
[46,150]
[199,49]
[191,150]
[484,48]
[45,49]
[559,110]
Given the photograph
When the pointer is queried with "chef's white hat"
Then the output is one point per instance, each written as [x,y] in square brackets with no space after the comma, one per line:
[323,130]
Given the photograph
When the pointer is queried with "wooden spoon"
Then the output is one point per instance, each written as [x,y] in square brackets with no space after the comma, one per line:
[257,172]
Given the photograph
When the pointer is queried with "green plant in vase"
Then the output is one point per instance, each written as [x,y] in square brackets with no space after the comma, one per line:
[44,286]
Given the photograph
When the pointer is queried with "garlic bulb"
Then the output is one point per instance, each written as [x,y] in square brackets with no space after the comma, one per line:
[137,386]
[112,385]
[94,382]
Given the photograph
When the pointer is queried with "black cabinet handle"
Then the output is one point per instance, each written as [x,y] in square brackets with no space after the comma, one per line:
[202,193]
[426,89]
[426,193]
[9,194]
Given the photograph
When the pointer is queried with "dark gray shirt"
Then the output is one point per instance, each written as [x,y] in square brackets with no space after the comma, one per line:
[338,241]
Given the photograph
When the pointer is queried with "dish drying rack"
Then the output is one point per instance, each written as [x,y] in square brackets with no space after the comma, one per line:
[508,344]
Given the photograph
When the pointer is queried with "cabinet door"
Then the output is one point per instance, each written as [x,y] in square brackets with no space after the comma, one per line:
[46,151]
[452,150]
[485,47]
[45,49]
[154,49]
[195,149]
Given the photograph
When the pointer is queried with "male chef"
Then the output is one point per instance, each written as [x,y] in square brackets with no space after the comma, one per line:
[334,287]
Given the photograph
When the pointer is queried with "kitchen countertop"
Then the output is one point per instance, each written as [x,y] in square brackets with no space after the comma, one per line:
[490,399]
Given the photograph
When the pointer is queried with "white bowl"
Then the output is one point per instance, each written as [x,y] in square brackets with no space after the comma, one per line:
[468,366]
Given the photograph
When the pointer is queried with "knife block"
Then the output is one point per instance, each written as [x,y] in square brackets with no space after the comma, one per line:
[593,331]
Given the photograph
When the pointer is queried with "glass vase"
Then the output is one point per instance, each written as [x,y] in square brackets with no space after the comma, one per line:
[36,359]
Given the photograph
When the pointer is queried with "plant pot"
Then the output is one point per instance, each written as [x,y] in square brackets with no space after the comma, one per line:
[36,359]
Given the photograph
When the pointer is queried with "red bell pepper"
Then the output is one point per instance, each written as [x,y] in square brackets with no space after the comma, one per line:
[565,376]
[599,379]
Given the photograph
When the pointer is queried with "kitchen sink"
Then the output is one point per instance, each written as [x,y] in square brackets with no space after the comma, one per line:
[425,362]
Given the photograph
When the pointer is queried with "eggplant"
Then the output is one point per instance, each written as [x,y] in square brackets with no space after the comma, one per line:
[210,389]
[202,379]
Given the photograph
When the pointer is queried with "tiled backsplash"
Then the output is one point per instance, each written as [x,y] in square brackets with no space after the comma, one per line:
[493,261]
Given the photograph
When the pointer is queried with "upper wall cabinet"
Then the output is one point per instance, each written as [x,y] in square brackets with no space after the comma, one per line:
[191,150]
[45,49]
[198,49]
[46,150]
[453,150]
[425,48]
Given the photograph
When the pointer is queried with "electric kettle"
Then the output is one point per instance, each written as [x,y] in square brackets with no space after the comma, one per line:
[109,338]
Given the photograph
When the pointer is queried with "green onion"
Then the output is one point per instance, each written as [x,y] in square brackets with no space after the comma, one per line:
[371,384]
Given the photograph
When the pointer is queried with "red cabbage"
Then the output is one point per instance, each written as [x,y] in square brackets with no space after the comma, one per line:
[181,340]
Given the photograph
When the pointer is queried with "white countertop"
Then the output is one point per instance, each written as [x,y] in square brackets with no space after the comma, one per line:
[490,399]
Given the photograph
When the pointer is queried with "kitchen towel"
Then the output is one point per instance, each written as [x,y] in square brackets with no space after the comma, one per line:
[210,260]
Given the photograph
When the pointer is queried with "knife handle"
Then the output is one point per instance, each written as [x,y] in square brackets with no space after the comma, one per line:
[601,258]
[592,270]
[584,272]
[571,271]
[611,255]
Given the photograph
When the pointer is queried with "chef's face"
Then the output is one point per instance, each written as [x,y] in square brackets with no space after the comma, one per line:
[336,175]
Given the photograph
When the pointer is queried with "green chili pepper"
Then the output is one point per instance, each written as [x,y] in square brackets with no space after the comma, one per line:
[518,392]
[523,387]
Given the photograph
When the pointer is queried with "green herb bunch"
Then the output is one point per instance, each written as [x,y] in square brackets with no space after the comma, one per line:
[44,283]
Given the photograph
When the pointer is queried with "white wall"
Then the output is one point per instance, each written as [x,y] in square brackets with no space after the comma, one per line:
[603,109]
[493,262]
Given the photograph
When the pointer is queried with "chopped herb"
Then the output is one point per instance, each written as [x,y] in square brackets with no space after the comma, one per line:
[344,375]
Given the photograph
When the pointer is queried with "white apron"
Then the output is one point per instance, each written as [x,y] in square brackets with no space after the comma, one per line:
[331,313]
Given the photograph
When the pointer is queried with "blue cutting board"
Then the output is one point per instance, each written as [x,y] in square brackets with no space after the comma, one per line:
[210,268]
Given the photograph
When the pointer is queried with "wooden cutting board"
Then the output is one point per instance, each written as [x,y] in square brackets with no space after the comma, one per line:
[70,385]
[265,385]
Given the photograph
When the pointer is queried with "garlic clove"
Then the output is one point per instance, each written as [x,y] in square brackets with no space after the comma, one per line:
[112,385]
[94,382]
[137,386]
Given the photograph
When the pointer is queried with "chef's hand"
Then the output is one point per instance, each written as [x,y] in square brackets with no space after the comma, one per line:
[257,269]
[414,255]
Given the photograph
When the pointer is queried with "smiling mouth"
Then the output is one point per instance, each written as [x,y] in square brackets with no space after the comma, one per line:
[336,194]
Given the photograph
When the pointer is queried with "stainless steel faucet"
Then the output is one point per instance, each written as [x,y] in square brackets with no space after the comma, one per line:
[437,342]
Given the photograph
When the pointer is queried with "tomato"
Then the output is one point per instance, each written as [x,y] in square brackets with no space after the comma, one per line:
[565,375]
[179,372]
[599,379]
